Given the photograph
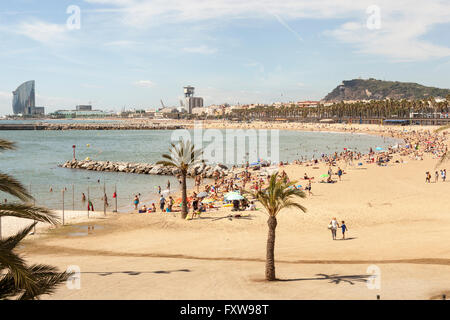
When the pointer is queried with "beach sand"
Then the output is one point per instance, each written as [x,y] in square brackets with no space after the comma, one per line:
[397,224]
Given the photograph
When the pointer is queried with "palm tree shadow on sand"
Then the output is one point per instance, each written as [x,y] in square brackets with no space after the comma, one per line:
[135,273]
[334,278]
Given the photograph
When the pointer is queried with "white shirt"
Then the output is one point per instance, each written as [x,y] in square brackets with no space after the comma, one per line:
[334,224]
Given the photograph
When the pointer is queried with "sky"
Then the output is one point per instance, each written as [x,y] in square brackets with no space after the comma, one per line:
[117,54]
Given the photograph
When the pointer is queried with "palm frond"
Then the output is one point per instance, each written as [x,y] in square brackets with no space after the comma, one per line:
[23,280]
[279,195]
[443,128]
[47,278]
[167,163]
[7,145]
[182,155]
[8,287]
[11,242]
[445,157]
[16,278]
[13,187]
[28,211]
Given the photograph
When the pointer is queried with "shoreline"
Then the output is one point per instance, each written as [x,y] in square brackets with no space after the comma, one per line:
[153,198]
[396,221]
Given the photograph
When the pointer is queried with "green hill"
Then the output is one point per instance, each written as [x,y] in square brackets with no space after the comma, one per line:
[372,89]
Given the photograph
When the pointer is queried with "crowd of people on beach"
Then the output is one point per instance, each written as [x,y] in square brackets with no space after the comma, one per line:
[208,195]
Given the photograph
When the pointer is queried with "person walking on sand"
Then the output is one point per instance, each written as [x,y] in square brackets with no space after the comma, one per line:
[308,187]
[339,173]
[333,227]
[344,228]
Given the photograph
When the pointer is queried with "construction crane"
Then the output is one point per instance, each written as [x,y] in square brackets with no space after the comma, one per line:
[162,103]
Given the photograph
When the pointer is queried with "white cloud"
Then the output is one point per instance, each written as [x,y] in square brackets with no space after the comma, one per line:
[42,31]
[122,43]
[401,35]
[200,49]
[404,23]
[144,84]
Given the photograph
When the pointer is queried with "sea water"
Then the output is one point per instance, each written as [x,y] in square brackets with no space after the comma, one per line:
[35,162]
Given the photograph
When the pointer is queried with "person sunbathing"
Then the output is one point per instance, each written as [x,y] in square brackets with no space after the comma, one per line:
[251,207]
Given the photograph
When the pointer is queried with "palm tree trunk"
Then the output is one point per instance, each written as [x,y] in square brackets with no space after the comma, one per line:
[270,255]
[183,197]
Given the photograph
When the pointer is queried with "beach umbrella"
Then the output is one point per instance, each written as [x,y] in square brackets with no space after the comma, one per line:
[202,194]
[231,193]
[208,200]
[234,197]
[324,175]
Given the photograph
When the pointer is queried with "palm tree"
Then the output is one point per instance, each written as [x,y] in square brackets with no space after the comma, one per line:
[278,196]
[18,280]
[183,157]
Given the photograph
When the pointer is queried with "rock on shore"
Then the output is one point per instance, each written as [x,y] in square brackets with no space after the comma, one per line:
[109,126]
[144,168]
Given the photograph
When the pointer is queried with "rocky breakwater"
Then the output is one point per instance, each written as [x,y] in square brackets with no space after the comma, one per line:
[110,126]
[145,168]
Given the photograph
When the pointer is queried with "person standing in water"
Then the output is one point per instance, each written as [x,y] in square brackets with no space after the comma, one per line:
[168,185]
[136,202]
